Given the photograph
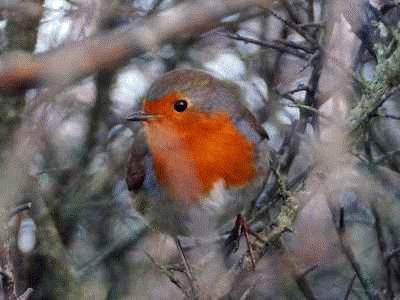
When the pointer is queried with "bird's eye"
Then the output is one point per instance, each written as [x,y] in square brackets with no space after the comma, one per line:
[180,105]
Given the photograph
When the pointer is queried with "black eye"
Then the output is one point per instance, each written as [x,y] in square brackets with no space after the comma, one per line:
[180,105]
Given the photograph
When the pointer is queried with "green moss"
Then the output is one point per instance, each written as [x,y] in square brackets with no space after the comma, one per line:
[387,75]
[285,219]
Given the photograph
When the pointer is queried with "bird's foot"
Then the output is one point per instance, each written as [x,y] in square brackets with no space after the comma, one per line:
[240,229]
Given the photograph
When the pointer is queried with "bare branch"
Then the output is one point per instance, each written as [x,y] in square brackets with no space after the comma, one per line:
[21,71]
[283,46]
[350,287]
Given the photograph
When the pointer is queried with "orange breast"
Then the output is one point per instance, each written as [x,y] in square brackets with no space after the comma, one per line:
[197,150]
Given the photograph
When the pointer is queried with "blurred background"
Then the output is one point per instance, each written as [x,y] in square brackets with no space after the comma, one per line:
[322,77]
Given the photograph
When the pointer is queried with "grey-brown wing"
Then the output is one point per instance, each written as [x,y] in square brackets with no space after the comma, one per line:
[247,123]
[256,125]
[136,168]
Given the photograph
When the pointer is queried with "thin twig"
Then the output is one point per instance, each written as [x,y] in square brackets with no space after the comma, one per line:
[310,11]
[349,287]
[386,156]
[301,280]
[389,116]
[312,24]
[153,10]
[392,254]
[310,270]
[294,45]
[300,106]
[167,272]
[188,270]
[272,195]
[342,227]
[347,251]
[309,108]
[305,288]
[268,44]
[295,27]
[291,11]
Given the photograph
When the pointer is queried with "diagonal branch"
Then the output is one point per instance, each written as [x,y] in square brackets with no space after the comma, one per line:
[280,45]
[63,66]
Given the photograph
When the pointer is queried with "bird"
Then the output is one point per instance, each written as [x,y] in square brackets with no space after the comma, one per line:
[200,157]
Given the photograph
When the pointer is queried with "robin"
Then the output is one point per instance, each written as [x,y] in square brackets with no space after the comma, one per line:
[201,157]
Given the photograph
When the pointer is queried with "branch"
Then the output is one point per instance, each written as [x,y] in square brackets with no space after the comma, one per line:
[385,83]
[165,270]
[285,219]
[283,223]
[65,65]
[387,116]
[350,287]
[296,28]
[387,156]
[368,287]
[366,109]
[279,45]
[291,12]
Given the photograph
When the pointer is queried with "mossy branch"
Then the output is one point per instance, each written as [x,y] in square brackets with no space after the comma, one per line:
[285,219]
[283,223]
[383,85]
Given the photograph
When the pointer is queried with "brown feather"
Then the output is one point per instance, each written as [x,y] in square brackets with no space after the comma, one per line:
[136,172]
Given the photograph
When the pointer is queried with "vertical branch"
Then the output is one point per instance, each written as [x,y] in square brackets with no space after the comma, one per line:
[21,35]
[310,11]
[311,92]
[97,115]
[317,63]
[10,259]
[14,157]
[291,11]
[103,81]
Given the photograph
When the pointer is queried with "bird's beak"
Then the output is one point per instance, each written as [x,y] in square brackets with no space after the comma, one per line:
[140,116]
